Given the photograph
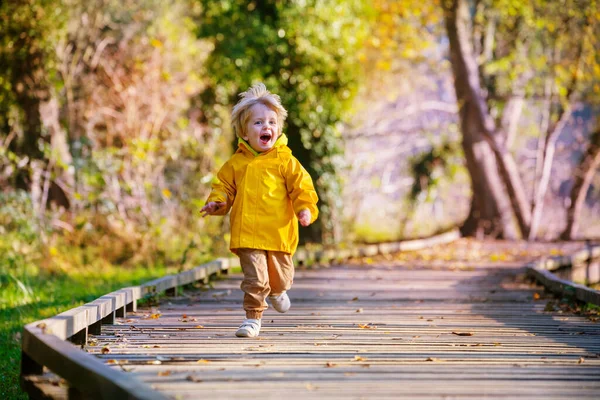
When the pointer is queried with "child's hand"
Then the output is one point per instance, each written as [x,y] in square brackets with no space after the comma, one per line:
[304,216]
[211,207]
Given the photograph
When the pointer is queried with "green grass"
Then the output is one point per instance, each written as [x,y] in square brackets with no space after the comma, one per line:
[34,295]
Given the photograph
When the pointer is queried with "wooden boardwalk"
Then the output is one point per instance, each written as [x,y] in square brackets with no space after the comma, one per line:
[365,331]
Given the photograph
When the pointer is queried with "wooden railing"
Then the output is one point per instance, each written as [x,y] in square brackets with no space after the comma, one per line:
[559,274]
[54,343]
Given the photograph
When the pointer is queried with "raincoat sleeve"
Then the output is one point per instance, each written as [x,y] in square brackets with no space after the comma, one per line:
[300,189]
[223,188]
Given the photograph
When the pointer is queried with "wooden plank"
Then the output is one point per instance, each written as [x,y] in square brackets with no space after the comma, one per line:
[373,331]
[86,373]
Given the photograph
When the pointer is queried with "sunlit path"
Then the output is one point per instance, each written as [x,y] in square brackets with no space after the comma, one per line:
[374,330]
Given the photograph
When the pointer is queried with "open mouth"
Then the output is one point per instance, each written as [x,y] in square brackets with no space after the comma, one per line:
[265,137]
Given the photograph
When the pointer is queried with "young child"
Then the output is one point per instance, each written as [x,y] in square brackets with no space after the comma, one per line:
[268,192]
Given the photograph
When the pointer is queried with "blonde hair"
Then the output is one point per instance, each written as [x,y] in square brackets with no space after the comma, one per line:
[257,94]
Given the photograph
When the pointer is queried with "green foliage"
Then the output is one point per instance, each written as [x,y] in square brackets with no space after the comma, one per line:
[430,168]
[539,49]
[28,33]
[306,52]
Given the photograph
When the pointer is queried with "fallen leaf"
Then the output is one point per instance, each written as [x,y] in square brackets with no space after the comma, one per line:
[367,326]
[355,299]
[463,333]
[192,378]
[581,360]
[536,296]
[359,310]
[359,358]
[203,361]
[105,350]
[164,373]
[329,365]
[433,359]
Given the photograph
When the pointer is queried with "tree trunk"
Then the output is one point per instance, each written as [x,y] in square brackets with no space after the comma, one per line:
[491,211]
[583,178]
[550,147]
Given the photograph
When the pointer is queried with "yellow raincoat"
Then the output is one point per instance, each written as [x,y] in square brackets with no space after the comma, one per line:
[265,191]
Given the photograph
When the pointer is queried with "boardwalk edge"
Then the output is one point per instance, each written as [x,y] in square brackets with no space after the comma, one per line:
[544,271]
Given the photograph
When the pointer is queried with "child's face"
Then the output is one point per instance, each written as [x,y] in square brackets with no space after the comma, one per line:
[261,128]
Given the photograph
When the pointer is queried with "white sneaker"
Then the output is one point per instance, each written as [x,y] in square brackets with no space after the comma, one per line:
[280,303]
[249,328]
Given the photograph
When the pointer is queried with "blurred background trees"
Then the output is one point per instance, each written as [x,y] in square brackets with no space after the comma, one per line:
[412,117]
[506,55]
[307,52]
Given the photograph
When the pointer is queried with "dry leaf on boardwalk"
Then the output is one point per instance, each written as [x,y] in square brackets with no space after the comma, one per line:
[463,333]
[164,373]
[192,378]
[105,350]
[367,326]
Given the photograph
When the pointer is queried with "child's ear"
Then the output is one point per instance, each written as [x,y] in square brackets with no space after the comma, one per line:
[245,138]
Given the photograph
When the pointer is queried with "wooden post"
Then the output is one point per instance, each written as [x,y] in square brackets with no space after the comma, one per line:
[132,307]
[95,328]
[109,319]
[80,338]
[121,312]
[29,366]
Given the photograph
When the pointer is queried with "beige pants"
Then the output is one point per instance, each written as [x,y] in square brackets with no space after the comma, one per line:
[265,273]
